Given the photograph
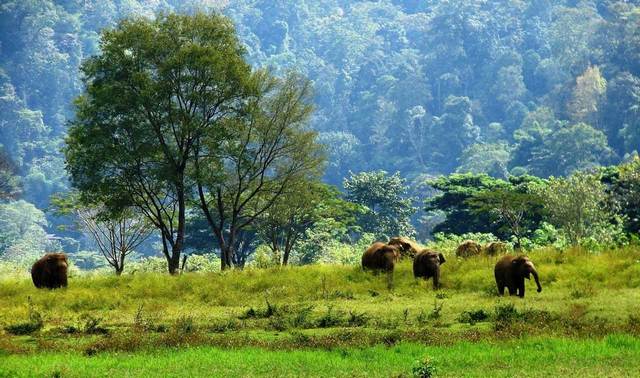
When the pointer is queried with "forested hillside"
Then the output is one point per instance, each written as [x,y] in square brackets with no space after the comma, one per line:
[419,87]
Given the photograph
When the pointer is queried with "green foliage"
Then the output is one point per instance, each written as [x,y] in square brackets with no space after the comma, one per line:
[576,205]
[515,211]
[425,369]
[473,316]
[9,182]
[22,232]
[490,159]
[454,192]
[285,223]
[623,186]
[423,88]
[385,198]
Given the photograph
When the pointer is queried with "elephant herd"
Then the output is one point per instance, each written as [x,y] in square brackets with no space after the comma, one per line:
[509,272]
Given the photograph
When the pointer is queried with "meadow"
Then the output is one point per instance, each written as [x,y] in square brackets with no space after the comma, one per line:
[313,320]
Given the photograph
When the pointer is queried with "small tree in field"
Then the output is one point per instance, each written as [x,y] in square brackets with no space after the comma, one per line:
[287,222]
[115,235]
[576,204]
[509,207]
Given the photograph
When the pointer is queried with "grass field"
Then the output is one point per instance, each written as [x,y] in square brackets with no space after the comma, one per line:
[330,319]
[613,356]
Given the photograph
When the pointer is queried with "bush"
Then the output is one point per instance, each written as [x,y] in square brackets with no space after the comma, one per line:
[264,258]
[424,369]
[204,263]
[185,325]
[506,313]
[330,318]
[267,312]
[474,316]
[92,325]
[147,265]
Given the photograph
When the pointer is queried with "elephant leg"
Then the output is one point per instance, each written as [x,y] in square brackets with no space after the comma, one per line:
[521,290]
[390,280]
[501,287]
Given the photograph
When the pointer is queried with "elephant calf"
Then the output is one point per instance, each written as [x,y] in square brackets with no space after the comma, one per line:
[426,264]
[510,272]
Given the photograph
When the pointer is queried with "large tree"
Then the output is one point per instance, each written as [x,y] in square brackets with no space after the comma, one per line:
[151,94]
[267,150]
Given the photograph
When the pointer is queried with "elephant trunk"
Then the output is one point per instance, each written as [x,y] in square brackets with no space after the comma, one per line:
[535,277]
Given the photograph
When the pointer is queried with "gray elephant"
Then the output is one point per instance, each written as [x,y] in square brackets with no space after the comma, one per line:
[426,265]
[510,272]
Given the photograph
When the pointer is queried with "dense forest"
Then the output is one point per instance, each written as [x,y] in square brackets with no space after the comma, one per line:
[424,88]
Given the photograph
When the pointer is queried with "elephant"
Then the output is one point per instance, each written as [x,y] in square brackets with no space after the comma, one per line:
[50,271]
[468,248]
[408,248]
[510,272]
[426,264]
[380,257]
[495,248]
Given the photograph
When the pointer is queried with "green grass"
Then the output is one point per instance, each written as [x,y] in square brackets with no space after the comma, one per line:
[613,356]
[319,311]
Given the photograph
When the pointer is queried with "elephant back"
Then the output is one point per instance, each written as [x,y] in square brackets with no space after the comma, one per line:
[380,256]
[408,248]
[495,248]
[468,248]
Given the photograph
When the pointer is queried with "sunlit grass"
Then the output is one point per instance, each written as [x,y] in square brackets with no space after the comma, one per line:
[582,294]
[612,356]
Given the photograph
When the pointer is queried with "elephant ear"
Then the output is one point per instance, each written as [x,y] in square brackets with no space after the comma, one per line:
[441,257]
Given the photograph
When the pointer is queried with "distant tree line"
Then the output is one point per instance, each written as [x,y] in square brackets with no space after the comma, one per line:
[509,90]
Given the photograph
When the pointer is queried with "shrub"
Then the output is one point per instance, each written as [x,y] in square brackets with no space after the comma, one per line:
[357,319]
[204,263]
[147,264]
[330,318]
[265,258]
[436,311]
[301,316]
[506,313]
[424,369]
[91,325]
[267,312]
[185,325]
[474,316]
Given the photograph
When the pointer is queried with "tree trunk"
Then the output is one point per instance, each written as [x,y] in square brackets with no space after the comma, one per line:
[176,248]
[225,257]
[285,256]
[174,264]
